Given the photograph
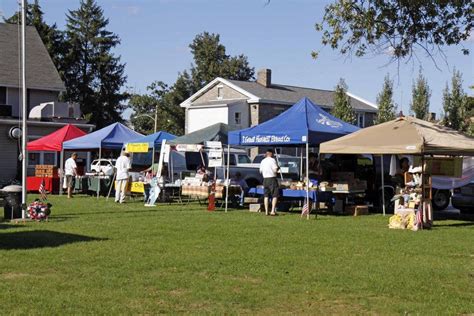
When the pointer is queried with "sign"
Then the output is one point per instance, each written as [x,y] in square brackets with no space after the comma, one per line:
[188,148]
[167,153]
[266,139]
[214,154]
[137,147]
[137,187]
[213,144]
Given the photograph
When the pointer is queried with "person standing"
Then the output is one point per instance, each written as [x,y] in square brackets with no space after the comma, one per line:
[269,169]
[122,166]
[70,171]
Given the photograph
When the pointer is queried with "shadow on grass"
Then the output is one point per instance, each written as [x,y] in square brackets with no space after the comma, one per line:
[441,216]
[454,224]
[40,239]
[7,226]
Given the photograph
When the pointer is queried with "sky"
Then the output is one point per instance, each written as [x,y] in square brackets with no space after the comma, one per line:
[155,35]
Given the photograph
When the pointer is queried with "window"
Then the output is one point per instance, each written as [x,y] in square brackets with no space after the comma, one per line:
[3,95]
[220,92]
[41,158]
[34,159]
[237,118]
[232,159]
[244,159]
[49,158]
[360,119]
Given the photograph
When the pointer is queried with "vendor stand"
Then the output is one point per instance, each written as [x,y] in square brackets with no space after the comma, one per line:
[303,124]
[409,136]
[112,137]
[51,143]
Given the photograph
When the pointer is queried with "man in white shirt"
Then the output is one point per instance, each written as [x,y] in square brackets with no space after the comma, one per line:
[70,171]
[122,166]
[269,169]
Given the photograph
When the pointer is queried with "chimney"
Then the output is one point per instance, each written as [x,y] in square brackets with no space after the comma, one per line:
[264,77]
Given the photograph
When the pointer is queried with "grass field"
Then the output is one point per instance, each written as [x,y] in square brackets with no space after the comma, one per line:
[102,258]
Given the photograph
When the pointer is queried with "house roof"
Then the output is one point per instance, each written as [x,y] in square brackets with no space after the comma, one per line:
[40,71]
[291,94]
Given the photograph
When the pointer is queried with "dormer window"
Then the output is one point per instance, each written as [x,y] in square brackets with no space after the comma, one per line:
[220,90]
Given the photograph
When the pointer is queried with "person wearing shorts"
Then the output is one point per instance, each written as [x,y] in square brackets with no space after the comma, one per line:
[70,168]
[269,169]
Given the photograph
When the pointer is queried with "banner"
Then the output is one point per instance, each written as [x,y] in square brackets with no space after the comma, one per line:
[137,147]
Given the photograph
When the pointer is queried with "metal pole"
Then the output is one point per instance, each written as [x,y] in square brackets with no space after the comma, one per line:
[227,179]
[156,117]
[98,174]
[383,184]
[307,179]
[61,166]
[24,109]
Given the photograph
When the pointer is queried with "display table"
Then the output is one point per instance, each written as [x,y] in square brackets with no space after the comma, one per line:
[50,184]
[298,194]
[93,183]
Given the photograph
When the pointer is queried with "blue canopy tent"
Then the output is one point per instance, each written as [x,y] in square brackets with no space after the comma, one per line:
[153,140]
[304,123]
[113,136]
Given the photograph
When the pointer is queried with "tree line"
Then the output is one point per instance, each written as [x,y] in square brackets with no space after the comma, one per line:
[95,77]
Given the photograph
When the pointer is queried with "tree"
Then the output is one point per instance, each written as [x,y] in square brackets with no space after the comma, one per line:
[363,26]
[93,75]
[52,38]
[210,61]
[455,103]
[385,102]
[420,104]
[342,104]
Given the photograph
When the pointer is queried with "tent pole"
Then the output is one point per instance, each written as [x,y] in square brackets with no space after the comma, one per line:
[152,158]
[61,166]
[301,164]
[307,179]
[98,175]
[227,180]
[383,184]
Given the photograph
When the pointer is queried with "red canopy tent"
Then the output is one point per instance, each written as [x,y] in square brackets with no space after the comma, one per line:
[54,141]
[51,142]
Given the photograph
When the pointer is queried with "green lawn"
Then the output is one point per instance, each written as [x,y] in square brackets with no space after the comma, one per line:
[102,258]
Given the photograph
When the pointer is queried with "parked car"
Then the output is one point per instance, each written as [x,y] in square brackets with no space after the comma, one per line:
[103,165]
[463,198]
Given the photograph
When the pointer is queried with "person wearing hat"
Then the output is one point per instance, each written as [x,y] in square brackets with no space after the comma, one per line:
[268,169]
[122,166]
[70,171]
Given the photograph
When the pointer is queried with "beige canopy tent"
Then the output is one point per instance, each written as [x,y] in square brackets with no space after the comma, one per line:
[404,135]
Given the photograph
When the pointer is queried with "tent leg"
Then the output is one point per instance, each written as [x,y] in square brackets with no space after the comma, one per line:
[227,180]
[61,166]
[98,177]
[383,184]
[307,180]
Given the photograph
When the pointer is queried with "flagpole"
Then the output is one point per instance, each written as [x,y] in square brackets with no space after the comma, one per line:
[24,109]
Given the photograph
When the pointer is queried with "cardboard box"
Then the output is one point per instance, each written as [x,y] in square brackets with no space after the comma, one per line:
[357,210]
[255,207]
[250,200]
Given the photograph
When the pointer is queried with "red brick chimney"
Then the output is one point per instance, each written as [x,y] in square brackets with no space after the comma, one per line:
[264,77]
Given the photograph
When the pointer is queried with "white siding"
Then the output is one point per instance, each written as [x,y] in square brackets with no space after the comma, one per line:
[199,118]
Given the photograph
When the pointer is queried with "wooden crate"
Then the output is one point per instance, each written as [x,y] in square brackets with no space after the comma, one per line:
[46,171]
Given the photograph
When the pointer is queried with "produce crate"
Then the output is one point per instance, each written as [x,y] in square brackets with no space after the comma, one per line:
[46,171]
